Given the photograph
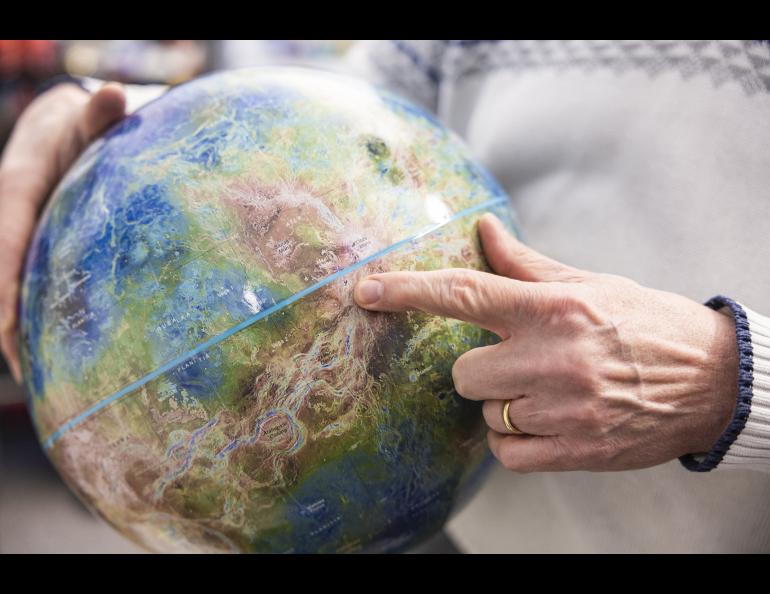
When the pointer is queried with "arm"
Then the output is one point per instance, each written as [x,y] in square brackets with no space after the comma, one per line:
[602,373]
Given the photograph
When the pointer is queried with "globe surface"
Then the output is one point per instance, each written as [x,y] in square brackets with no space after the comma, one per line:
[197,370]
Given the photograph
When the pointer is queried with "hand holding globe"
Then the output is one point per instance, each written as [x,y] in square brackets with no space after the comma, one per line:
[197,369]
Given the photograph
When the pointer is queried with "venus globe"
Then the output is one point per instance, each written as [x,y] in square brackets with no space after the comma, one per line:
[197,369]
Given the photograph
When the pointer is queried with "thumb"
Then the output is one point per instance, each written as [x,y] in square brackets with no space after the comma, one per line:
[105,107]
[509,257]
[25,180]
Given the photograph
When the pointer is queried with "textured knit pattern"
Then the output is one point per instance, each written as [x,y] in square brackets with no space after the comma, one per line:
[412,68]
[744,63]
[422,66]
[752,447]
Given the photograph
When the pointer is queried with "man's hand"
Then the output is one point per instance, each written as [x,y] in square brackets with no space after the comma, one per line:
[48,137]
[603,374]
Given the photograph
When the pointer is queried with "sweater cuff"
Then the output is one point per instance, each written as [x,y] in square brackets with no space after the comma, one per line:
[709,461]
[751,449]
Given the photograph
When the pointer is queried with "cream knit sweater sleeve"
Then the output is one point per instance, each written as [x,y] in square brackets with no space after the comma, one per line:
[751,449]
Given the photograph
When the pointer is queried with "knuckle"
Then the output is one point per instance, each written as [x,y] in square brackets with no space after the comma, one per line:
[510,460]
[572,310]
[584,375]
[461,365]
[509,464]
[522,465]
[491,414]
[460,375]
[561,455]
[460,291]
[589,418]
[540,418]
[591,456]
[571,274]
[578,371]
[617,281]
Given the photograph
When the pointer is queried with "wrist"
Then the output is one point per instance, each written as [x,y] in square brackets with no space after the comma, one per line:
[722,380]
[741,389]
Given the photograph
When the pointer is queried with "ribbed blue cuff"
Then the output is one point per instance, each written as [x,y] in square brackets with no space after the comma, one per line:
[745,382]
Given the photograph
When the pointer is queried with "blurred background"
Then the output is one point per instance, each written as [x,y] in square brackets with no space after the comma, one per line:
[38,513]
[26,64]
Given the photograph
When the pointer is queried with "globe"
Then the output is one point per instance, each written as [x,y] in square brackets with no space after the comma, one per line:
[197,370]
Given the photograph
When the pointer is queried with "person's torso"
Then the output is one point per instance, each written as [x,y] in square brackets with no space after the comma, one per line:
[647,160]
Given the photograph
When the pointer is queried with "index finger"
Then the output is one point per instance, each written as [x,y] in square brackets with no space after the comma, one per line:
[481,298]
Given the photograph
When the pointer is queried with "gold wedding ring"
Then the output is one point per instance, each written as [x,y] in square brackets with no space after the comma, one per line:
[507,420]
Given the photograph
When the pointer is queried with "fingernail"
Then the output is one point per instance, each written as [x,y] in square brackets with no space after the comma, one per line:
[368,292]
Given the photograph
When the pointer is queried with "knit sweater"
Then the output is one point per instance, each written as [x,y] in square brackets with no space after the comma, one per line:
[648,159]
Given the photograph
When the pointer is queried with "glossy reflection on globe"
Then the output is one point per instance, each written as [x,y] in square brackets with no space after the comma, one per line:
[198,371]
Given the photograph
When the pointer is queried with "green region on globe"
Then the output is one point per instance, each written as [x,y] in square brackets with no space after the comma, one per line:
[197,369]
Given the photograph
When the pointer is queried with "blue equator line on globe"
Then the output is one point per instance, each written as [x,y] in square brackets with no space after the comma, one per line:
[214,340]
